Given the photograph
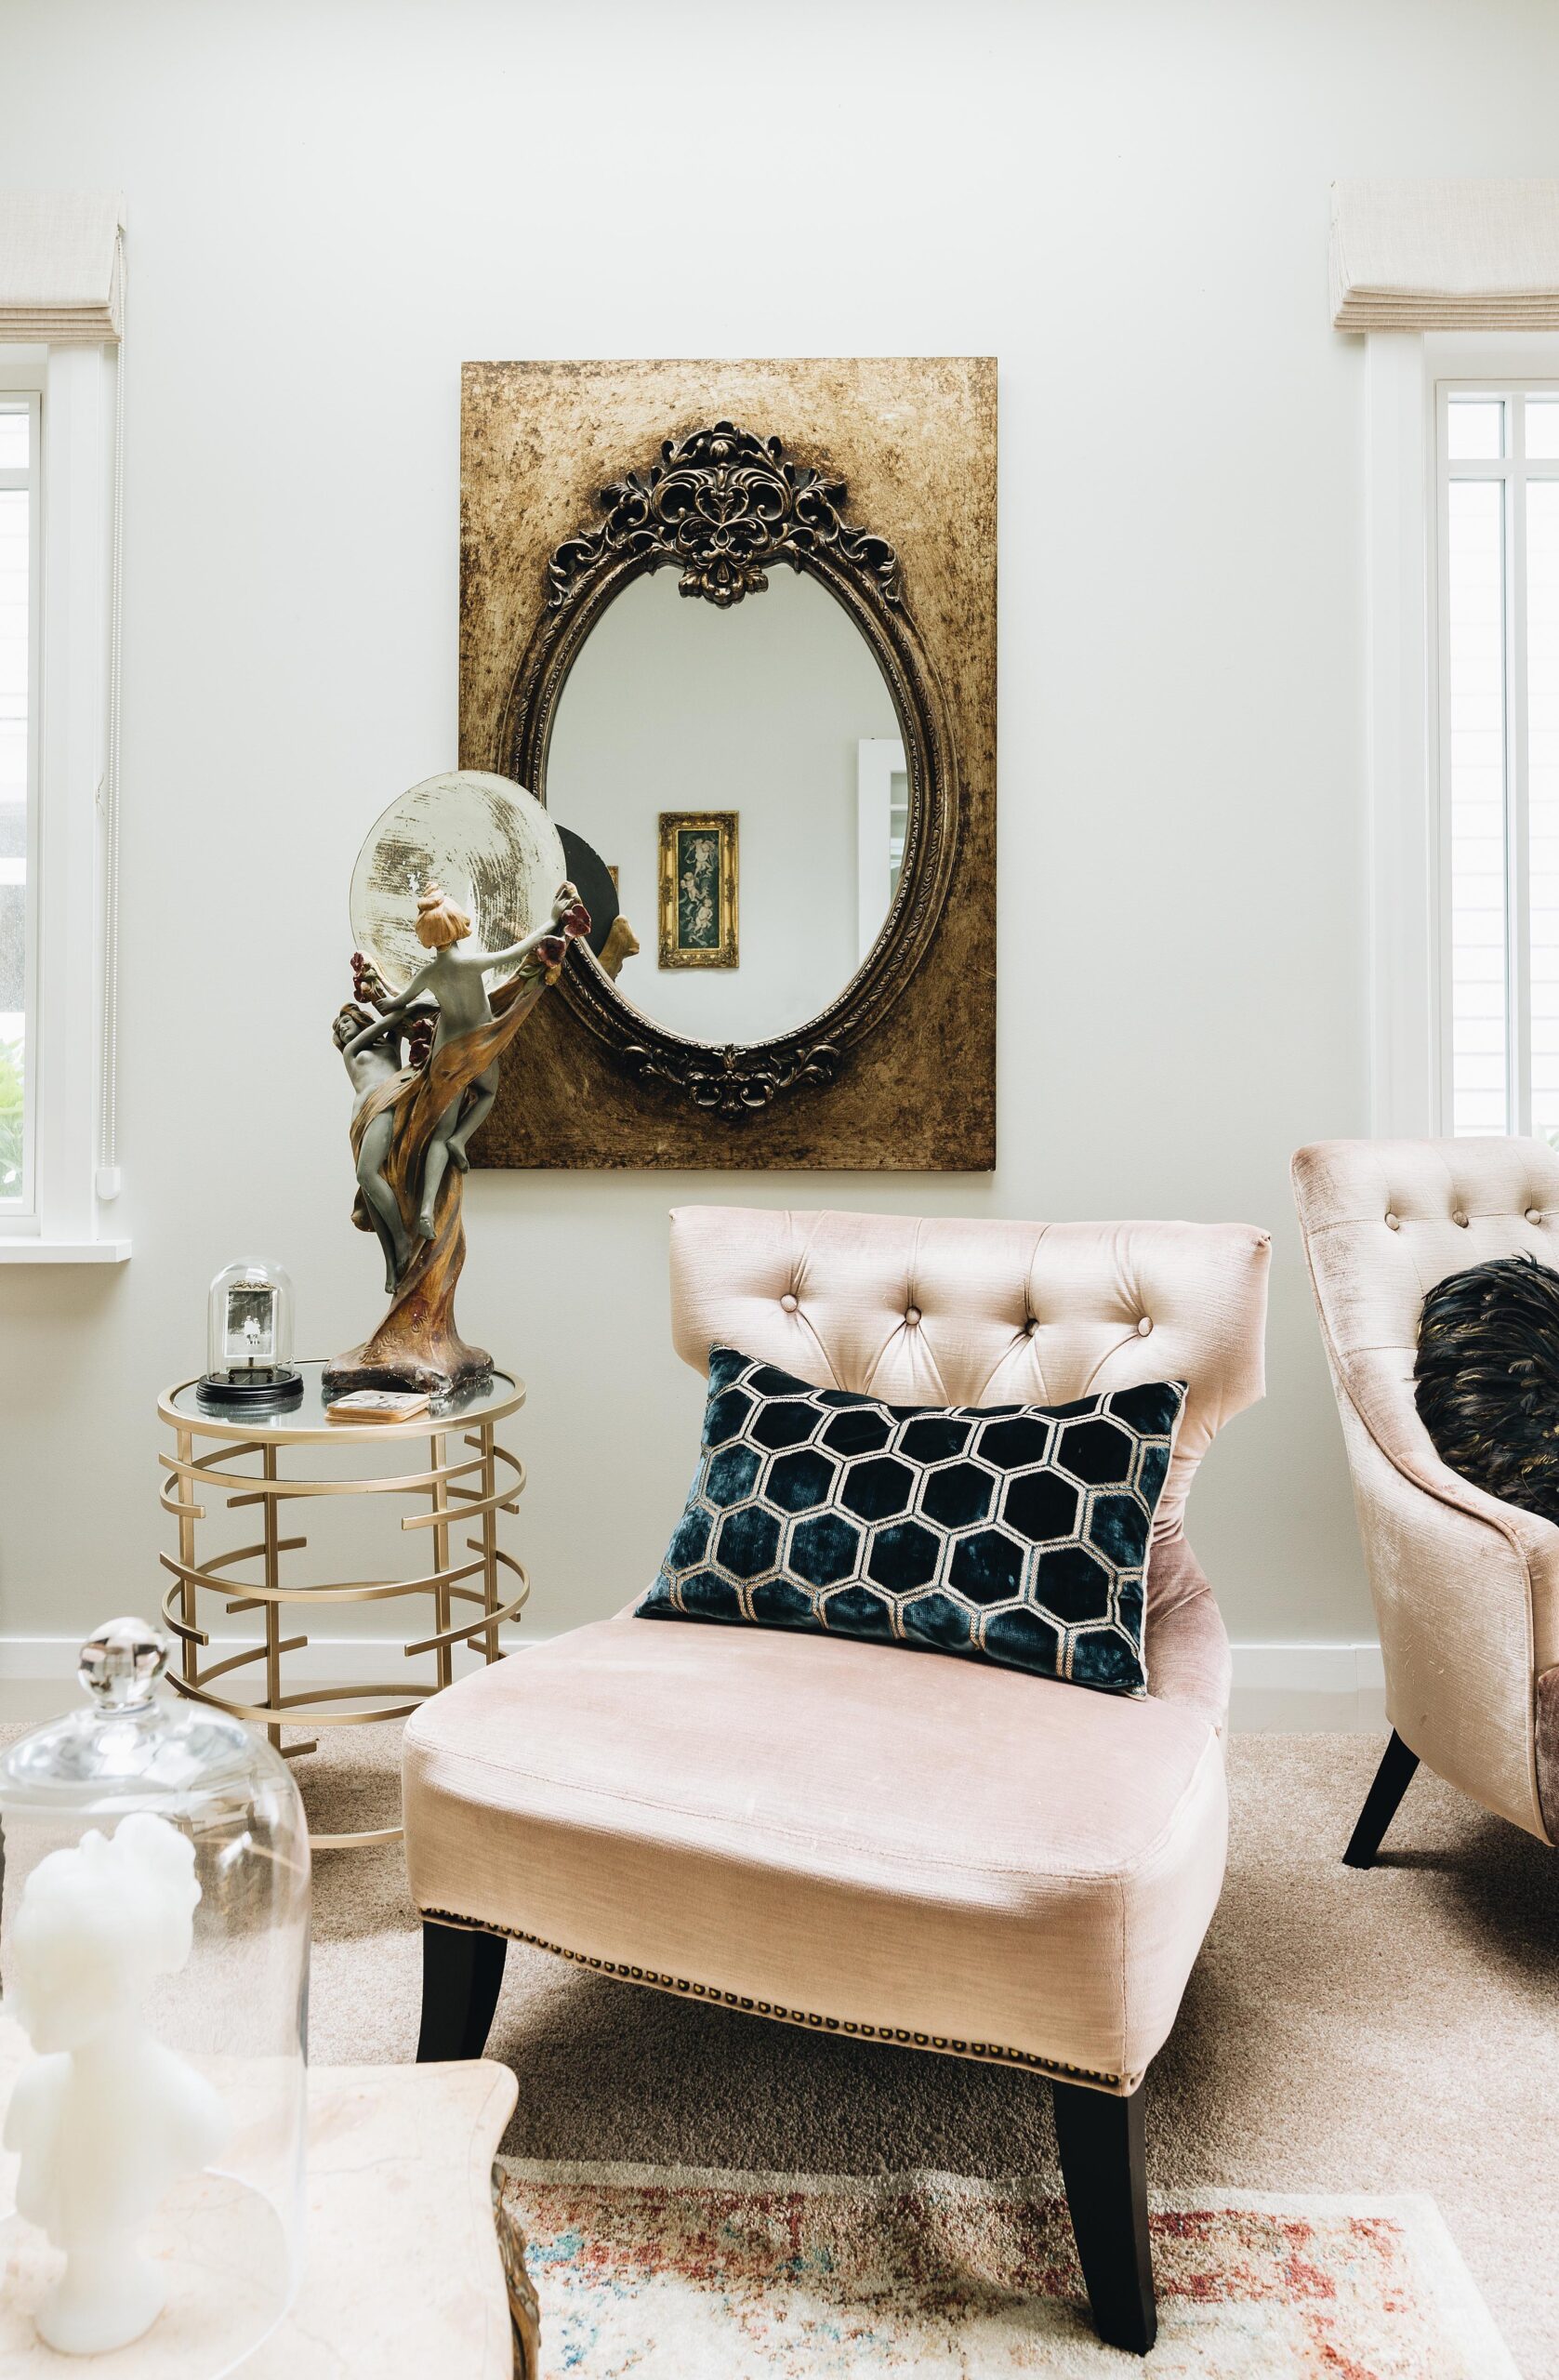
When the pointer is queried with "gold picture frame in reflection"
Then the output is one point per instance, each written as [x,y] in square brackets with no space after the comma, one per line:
[698,888]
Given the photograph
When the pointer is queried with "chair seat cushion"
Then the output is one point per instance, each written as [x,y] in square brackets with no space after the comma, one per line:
[859,1837]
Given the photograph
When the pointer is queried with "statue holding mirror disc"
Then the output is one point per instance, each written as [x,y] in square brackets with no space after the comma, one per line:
[413,1119]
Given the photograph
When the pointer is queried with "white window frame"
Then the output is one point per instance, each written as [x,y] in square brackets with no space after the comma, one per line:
[1513,472]
[28,400]
[69,1216]
[1408,772]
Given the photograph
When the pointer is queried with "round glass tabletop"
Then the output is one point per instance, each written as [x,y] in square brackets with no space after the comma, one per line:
[486,1400]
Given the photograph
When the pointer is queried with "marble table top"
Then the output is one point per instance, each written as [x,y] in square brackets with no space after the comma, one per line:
[404,2276]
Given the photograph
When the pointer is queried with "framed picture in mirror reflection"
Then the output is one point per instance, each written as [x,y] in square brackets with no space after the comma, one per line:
[698,888]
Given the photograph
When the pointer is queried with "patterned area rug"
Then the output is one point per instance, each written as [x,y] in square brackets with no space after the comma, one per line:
[671,2275]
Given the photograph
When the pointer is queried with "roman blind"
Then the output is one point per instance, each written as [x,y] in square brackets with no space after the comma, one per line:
[61,265]
[1438,256]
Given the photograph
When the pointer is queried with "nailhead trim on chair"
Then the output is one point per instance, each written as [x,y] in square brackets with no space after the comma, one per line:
[987,2052]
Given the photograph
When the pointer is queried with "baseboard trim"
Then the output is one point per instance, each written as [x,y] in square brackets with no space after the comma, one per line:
[1321,1689]
[1309,1689]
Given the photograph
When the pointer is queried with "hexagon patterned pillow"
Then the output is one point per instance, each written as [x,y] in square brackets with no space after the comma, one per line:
[1010,1533]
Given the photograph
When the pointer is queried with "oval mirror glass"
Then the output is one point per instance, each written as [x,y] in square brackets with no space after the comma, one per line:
[741,775]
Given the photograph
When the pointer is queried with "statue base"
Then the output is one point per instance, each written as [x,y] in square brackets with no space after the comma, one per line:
[471,1367]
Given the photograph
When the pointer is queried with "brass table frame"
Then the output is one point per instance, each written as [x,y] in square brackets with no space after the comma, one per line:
[460,1487]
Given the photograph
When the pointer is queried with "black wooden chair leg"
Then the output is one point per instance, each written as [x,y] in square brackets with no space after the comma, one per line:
[462,1974]
[1392,1781]
[1103,2164]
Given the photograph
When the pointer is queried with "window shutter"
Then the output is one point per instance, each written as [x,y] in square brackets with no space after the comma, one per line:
[1445,256]
[61,265]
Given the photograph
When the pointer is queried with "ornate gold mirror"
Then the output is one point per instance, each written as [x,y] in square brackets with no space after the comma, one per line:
[710,665]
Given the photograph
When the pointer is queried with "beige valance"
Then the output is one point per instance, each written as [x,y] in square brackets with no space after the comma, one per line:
[61,265]
[1445,256]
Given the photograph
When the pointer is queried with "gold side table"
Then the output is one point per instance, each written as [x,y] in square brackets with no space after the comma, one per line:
[471,1483]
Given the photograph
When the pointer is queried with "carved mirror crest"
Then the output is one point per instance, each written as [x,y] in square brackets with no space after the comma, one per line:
[723,632]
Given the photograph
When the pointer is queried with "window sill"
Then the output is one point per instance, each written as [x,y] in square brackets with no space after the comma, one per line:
[64,1251]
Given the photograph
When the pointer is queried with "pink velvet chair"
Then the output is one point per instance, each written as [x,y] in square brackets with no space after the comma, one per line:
[863,1839]
[1466,1587]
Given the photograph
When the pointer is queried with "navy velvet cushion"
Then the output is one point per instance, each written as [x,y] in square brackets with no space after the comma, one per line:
[1010,1533]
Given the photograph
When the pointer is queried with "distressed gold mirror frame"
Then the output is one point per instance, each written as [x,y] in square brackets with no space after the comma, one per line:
[877,477]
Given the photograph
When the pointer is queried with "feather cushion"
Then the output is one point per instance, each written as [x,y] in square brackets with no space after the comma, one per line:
[1009,1533]
[1485,1379]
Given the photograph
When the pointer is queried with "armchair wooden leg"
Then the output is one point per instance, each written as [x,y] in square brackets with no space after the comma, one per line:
[461,1973]
[1103,2164]
[1392,1781]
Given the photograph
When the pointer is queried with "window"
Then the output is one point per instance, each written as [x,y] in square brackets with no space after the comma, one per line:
[62,437]
[57,1165]
[1497,444]
[1462,551]
[20,579]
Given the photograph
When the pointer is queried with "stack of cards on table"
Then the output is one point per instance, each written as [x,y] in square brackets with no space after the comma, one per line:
[378,1405]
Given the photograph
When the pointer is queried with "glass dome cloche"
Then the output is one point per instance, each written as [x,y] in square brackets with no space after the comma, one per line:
[153,2009]
[249,1339]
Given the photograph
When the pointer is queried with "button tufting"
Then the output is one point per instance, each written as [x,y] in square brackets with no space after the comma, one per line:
[788,1303]
[1033,1324]
[1460,1218]
[1394,1222]
[912,1313]
[1144,1328]
[1534,1214]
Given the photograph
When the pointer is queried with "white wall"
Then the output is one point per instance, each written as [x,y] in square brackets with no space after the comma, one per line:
[332,205]
[673,704]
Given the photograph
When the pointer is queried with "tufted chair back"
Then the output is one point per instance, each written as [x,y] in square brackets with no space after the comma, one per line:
[930,1310]
[1383,1220]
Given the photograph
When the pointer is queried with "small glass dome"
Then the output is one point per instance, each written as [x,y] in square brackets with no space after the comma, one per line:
[153,1998]
[248,1340]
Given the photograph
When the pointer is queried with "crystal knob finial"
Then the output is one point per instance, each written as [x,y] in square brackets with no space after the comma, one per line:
[121,1663]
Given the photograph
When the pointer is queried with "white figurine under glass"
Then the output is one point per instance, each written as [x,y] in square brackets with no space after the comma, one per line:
[104,2119]
[154,1955]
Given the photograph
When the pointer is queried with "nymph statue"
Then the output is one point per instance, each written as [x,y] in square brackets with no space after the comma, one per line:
[413,1117]
[423,1062]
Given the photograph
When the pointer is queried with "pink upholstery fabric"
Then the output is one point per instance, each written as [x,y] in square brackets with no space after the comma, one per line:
[882,1838]
[933,1310]
[860,1835]
[1466,1588]
[1187,1645]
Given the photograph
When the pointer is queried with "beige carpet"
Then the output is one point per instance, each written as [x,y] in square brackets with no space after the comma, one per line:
[1391,2032]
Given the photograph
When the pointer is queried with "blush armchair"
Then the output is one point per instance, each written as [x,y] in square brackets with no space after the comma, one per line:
[1466,1587]
[863,1839]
